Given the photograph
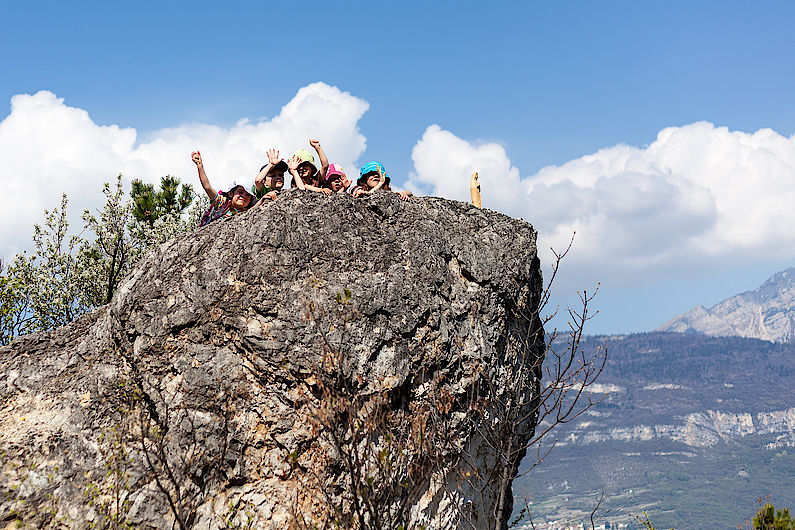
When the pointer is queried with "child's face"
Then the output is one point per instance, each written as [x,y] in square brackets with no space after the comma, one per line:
[335,182]
[372,179]
[275,181]
[240,198]
[305,171]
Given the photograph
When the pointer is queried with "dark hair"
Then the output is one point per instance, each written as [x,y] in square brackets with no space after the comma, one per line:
[281,166]
[362,181]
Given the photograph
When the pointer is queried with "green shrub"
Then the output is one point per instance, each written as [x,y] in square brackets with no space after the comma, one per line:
[768,518]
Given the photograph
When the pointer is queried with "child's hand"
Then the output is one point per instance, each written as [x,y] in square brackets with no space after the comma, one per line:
[346,183]
[315,144]
[273,157]
[196,157]
[404,195]
[293,162]
[357,192]
[326,191]
[270,196]
[381,181]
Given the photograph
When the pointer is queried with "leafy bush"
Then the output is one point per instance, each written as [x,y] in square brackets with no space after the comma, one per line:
[67,276]
[769,518]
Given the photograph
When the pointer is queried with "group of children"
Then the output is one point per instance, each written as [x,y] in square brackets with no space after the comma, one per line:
[330,178]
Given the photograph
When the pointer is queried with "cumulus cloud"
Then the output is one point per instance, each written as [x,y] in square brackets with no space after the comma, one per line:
[697,195]
[48,147]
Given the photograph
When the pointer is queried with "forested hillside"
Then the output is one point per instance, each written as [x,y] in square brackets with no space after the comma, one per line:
[692,429]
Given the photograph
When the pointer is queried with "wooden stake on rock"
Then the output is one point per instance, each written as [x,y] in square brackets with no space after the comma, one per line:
[474,189]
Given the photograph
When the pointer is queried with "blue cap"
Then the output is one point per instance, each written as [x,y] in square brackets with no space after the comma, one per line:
[371,167]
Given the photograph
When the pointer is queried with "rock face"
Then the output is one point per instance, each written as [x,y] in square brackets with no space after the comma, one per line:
[766,313]
[202,395]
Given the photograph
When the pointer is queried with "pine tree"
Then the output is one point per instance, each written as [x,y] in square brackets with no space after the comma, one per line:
[150,203]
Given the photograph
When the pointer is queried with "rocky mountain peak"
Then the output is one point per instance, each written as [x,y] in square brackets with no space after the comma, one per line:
[767,313]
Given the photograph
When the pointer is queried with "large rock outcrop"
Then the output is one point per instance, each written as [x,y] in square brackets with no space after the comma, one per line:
[209,392]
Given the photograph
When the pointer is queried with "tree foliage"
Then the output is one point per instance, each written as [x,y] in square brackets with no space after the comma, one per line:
[105,259]
[47,283]
[14,300]
[769,518]
[66,275]
[149,204]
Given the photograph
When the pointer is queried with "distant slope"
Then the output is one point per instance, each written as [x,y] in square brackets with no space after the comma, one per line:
[692,429]
[766,313]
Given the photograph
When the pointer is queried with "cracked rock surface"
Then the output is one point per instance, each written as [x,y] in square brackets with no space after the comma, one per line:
[215,335]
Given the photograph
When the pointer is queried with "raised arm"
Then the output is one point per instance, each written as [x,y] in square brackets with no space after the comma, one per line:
[346,184]
[273,159]
[260,178]
[381,180]
[322,156]
[292,164]
[197,159]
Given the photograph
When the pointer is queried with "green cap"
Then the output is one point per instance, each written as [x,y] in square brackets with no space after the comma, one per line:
[305,156]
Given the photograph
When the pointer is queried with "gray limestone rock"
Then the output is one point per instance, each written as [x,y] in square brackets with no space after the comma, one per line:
[766,313]
[197,388]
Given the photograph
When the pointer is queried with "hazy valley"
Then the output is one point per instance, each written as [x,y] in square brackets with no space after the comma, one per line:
[692,429]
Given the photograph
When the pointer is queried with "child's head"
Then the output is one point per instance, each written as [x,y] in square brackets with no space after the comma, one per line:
[240,197]
[334,178]
[275,181]
[306,169]
[368,175]
[275,177]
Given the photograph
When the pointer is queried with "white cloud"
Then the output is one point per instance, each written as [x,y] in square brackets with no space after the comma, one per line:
[48,147]
[697,195]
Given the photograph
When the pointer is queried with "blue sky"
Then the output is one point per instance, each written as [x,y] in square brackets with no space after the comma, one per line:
[547,82]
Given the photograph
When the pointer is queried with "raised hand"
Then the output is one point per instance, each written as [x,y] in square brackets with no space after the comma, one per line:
[293,162]
[346,183]
[197,159]
[381,180]
[273,157]
[315,144]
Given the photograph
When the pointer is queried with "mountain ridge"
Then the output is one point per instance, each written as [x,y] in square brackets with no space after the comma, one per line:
[766,313]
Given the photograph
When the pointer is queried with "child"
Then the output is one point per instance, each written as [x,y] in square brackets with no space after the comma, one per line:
[336,180]
[270,178]
[222,205]
[302,168]
[372,177]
